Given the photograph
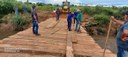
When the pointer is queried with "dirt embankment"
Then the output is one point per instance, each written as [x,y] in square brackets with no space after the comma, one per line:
[43,15]
[6,28]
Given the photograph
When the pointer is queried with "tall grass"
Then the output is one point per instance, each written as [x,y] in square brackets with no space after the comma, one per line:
[19,22]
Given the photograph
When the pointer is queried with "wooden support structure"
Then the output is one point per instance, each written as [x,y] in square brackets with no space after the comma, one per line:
[54,41]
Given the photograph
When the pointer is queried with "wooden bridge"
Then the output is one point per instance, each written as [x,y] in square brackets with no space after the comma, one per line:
[55,41]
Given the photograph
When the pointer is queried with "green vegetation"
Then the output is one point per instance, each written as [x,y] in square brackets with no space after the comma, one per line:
[101,19]
[6,6]
[101,16]
[1,20]
[47,8]
[20,21]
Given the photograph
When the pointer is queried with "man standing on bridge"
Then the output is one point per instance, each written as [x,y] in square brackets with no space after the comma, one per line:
[69,20]
[34,21]
[57,14]
[75,16]
[122,36]
[79,20]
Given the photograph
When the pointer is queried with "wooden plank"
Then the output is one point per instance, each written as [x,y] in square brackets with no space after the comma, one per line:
[74,38]
[54,40]
[69,49]
[53,24]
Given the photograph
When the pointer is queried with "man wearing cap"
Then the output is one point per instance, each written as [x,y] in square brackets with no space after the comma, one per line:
[122,36]
[34,21]
[79,20]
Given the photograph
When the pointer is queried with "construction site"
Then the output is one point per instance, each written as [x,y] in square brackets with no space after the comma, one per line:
[97,36]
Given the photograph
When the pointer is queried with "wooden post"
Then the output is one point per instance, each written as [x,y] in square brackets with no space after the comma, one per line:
[108,33]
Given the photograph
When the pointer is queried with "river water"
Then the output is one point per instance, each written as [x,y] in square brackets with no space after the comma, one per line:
[111,42]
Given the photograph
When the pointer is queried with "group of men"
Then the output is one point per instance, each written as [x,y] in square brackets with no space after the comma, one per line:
[77,18]
[122,35]
[72,16]
[24,8]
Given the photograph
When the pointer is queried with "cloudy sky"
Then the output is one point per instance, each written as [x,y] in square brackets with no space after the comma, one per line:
[106,2]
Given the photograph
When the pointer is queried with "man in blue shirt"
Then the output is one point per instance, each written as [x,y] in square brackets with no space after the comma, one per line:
[75,16]
[34,21]
[16,11]
[24,9]
[69,20]
[79,20]
[122,36]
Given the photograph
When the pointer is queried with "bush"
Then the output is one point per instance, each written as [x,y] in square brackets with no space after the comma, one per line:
[1,20]
[19,22]
[88,10]
[6,6]
[101,19]
[40,4]
[101,16]
[101,31]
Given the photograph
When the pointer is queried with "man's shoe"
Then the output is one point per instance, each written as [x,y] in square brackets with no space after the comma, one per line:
[69,30]
[34,33]
[37,34]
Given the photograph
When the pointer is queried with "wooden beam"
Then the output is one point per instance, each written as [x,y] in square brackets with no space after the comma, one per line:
[69,49]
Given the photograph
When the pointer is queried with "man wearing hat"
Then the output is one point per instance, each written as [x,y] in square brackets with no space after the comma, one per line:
[122,36]
[34,21]
[79,20]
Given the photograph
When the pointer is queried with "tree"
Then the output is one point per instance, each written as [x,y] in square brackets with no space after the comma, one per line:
[40,4]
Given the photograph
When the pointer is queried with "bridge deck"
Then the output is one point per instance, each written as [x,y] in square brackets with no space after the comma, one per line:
[54,41]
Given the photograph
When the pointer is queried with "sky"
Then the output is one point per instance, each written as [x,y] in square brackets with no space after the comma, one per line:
[92,2]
